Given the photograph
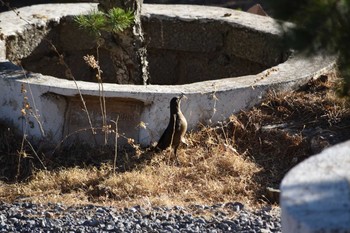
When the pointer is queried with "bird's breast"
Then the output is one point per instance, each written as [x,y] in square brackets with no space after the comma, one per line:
[182,123]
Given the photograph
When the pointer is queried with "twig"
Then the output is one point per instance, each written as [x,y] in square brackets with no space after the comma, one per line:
[215,98]
[35,112]
[101,94]
[31,147]
[69,73]
[16,12]
[71,134]
[115,144]
[223,131]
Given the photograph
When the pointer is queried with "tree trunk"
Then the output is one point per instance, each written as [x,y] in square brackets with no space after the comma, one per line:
[127,49]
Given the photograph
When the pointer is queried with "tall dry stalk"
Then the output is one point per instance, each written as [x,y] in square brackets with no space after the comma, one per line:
[94,63]
[27,107]
[102,93]
[70,75]
[115,144]
[27,111]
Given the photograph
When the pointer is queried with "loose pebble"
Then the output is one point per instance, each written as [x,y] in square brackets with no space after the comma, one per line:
[229,217]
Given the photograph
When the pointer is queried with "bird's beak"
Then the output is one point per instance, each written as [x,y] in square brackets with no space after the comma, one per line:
[182,96]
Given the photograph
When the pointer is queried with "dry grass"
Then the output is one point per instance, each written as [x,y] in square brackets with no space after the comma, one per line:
[197,180]
[233,161]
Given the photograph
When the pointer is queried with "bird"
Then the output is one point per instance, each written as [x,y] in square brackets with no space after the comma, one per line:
[173,135]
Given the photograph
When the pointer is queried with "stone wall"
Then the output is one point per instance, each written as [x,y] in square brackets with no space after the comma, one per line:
[191,49]
[186,49]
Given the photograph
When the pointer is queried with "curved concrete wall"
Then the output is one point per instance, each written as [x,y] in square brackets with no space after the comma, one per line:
[183,46]
[209,101]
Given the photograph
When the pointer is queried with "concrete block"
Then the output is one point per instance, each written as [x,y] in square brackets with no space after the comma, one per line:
[163,66]
[183,35]
[255,46]
[315,195]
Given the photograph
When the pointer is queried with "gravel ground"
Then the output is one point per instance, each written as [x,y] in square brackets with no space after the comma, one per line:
[230,217]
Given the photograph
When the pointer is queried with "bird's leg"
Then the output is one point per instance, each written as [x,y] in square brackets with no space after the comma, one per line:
[176,159]
[168,163]
[172,135]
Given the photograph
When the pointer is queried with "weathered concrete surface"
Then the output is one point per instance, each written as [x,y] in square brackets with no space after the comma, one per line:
[14,30]
[184,46]
[196,43]
[212,25]
[315,195]
[208,102]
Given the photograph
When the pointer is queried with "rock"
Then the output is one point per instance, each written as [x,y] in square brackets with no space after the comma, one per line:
[258,10]
[273,195]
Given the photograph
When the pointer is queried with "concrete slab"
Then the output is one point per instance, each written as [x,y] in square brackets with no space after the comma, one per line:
[315,195]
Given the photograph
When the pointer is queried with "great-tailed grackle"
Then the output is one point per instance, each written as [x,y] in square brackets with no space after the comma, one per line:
[176,129]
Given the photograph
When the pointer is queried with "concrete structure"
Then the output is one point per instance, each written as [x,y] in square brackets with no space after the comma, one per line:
[244,38]
[235,4]
[315,195]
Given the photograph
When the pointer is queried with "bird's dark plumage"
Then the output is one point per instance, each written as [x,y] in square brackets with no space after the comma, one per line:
[176,129]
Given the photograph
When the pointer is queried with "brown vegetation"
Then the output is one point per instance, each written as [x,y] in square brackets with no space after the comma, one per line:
[233,161]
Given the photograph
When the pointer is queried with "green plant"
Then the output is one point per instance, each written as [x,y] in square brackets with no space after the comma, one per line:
[116,20]
[319,25]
